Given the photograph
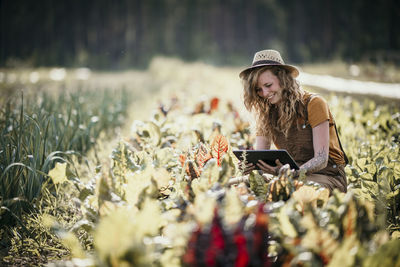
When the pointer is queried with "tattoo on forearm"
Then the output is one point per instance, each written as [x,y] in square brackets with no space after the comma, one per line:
[317,163]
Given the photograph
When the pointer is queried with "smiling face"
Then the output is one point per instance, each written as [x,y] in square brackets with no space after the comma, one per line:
[268,87]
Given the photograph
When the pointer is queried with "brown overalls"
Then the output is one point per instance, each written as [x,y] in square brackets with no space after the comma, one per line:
[299,144]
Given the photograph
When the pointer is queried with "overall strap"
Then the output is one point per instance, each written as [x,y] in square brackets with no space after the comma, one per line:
[308,99]
[340,143]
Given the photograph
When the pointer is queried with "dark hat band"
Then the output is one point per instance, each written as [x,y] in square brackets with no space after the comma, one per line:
[266,62]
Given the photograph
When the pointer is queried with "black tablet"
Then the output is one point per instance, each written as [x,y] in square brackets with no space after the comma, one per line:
[268,156]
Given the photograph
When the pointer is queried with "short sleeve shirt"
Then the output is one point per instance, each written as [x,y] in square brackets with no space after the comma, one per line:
[318,112]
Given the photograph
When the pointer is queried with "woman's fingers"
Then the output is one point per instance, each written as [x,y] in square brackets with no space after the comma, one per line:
[248,167]
[248,171]
[278,163]
[265,167]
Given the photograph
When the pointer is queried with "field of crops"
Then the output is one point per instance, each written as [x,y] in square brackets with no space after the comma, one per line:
[137,169]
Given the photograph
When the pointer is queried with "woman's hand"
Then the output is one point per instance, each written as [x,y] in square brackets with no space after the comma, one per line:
[246,168]
[274,170]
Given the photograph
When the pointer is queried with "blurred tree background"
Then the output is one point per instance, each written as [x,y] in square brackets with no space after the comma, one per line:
[110,34]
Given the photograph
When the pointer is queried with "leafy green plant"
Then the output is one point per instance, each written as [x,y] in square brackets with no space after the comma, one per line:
[36,136]
[374,170]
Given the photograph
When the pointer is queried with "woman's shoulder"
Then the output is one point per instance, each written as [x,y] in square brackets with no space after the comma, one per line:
[317,110]
[313,98]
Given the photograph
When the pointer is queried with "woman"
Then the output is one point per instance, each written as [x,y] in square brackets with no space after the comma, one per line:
[292,119]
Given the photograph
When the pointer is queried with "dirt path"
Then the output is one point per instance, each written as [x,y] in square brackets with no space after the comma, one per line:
[390,90]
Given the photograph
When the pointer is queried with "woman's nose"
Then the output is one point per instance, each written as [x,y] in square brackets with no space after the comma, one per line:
[264,92]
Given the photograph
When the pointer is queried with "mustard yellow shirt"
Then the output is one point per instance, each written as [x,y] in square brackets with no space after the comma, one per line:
[318,112]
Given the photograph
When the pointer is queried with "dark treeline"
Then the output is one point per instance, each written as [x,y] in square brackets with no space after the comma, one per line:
[128,33]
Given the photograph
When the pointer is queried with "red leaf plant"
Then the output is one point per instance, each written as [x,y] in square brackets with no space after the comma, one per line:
[242,257]
[217,245]
[217,241]
[213,104]
[219,146]
[189,257]
[260,234]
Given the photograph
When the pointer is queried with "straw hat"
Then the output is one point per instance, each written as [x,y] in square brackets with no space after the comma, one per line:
[269,58]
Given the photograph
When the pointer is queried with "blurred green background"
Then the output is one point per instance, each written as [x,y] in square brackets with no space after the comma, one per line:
[112,35]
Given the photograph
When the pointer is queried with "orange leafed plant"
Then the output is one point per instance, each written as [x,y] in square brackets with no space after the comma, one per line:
[192,170]
[202,156]
[219,146]
[214,104]
[182,159]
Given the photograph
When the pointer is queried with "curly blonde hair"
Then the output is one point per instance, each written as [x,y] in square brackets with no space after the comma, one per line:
[271,119]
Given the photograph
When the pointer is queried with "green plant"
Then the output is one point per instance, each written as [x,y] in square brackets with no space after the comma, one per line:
[36,136]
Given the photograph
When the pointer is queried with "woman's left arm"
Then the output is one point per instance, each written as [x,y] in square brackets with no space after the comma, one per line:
[321,149]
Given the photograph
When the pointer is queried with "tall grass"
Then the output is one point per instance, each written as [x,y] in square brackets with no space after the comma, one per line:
[38,131]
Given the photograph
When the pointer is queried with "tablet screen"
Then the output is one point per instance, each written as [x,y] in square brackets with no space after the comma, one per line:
[268,156]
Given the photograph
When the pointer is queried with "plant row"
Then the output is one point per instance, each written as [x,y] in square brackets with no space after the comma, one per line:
[173,196]
[45,128]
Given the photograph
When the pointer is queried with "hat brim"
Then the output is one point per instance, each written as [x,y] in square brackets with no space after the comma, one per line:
[292,69]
